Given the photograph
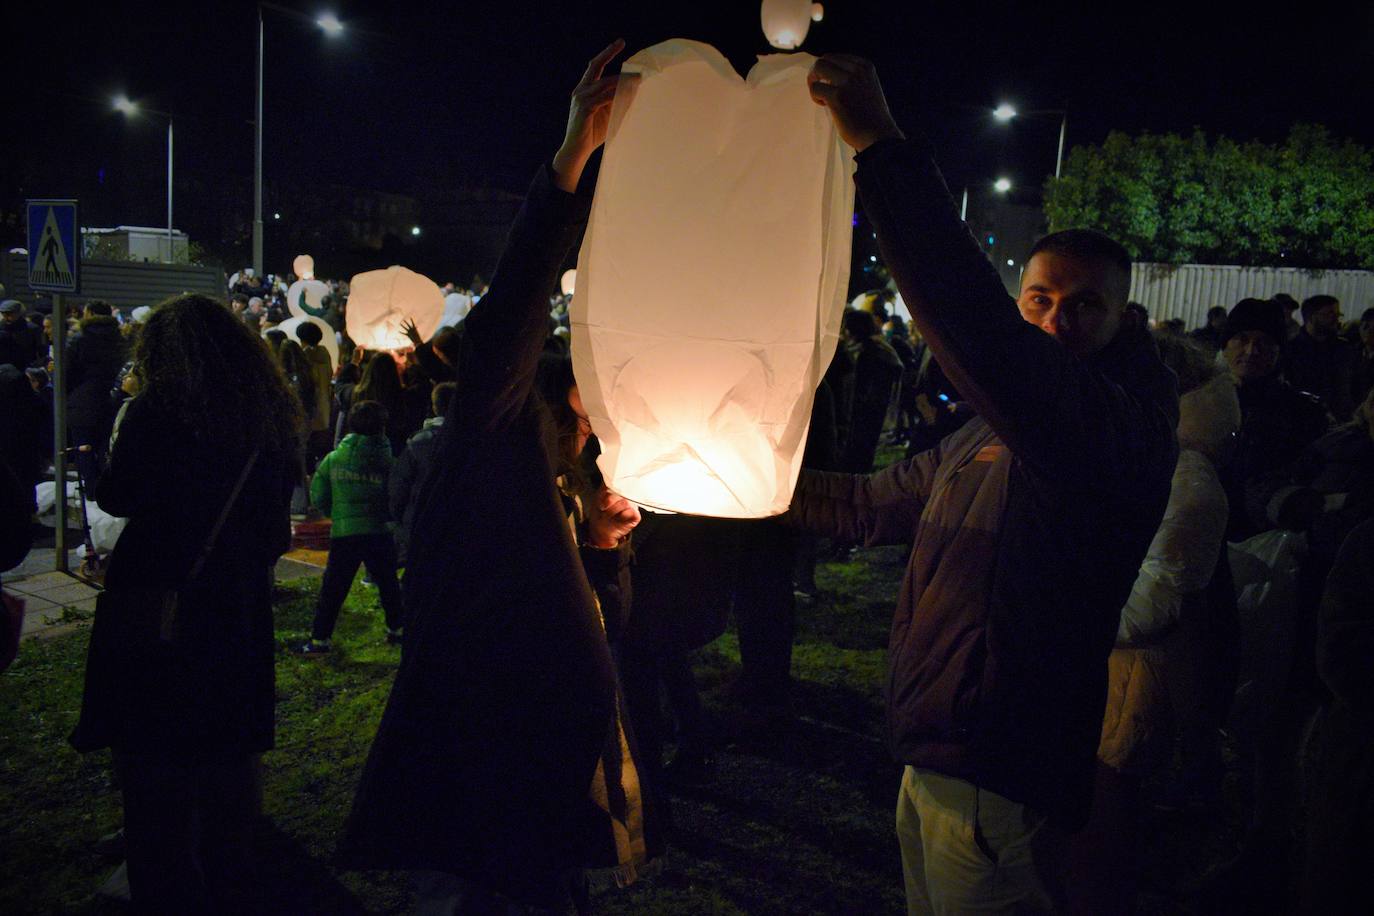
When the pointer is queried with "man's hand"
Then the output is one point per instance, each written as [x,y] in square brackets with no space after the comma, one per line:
[849,87]
[408,329]
[589,117]
[610,518]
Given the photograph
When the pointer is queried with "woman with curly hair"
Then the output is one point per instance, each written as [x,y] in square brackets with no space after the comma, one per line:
[202,463]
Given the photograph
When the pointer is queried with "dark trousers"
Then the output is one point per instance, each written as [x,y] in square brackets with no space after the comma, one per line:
[375,551]
[188,831]
[765,611]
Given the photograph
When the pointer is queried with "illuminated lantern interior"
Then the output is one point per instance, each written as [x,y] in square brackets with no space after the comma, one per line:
[711,279]
[379,301]
[303,267]
[785,22]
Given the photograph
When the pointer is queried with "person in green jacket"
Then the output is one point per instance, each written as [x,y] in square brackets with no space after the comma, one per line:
[350,486]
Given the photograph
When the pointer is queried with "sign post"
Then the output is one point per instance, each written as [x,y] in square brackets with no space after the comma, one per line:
[55,267]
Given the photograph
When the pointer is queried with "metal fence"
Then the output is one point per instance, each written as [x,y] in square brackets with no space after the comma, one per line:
[125,284]
[1187,291]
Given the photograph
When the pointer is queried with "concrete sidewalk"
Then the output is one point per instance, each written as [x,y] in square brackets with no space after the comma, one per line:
[57,603]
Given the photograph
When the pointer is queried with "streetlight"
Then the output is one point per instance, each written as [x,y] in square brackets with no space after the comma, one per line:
[415,230]
[331,26]
[1002,185]
[1005,112]
[129,108]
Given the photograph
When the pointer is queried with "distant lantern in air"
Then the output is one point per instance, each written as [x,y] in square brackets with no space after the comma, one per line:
[380,301]
[786,22]
[303,267]
[711,281]
[568,282]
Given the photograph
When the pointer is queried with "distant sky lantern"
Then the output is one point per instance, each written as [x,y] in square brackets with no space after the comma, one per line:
[817,12]
[711,280]
[456,308]
[568,282]
[379,301]
[304,267]
[786,22]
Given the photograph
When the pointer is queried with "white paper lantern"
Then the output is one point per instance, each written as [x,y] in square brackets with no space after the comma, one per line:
[305,298]
[379,301]
[568,282]
[303,267]
[711,280]
[785,22]
[817,12]
[291,327]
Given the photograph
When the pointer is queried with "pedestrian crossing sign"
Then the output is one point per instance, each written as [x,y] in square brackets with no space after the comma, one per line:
[54,246]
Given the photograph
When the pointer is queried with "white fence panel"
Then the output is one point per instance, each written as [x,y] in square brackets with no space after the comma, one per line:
[1187,291]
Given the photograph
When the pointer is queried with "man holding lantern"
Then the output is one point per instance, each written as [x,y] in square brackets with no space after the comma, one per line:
[1028,525]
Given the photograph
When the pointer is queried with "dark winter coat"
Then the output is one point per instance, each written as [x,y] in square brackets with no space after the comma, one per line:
[20,344]
[1277,423]
[1028,525]
[94,357]
[25,437]
[410,470]
[1325,368]
[506,698]
[213,697]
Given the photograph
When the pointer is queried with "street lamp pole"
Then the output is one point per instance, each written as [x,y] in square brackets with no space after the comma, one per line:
[1063,129]
[171,248]
[257,161]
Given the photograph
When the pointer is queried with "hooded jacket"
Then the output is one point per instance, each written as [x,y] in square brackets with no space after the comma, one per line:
[94,358]
[1028,525]
[350,486]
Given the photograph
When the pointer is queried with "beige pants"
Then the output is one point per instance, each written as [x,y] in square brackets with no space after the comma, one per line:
[968,850]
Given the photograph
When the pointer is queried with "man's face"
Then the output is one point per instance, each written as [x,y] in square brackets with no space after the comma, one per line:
[11,317]
[1077,302]
[1217,321]
[1251,355]
[1325,322]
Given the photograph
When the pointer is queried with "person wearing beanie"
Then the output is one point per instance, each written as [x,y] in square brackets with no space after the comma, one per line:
[1277,420]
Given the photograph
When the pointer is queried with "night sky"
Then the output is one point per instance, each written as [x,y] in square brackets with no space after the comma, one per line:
[421,95]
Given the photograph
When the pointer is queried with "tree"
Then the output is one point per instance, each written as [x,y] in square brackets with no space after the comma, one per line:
[1306,203]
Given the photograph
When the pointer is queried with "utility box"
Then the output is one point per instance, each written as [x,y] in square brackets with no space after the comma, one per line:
[140,244]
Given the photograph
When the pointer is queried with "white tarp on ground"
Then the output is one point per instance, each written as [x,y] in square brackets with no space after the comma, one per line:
[711,280]
[105,528]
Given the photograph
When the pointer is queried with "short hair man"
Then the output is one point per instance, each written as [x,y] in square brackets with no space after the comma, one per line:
[1028,525]
[1318,361]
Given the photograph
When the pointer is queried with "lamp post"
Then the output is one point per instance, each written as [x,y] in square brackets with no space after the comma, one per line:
[125,106]
[331,26]
[1005,112]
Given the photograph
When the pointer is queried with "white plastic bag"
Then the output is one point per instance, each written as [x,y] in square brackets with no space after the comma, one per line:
[1265,568]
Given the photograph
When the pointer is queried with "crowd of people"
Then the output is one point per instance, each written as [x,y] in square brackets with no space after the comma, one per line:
[1074,487]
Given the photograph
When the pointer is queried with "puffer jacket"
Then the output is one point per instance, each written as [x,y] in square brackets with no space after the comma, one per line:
[350,486]
[94,357]
[1028,525]
[1153,652]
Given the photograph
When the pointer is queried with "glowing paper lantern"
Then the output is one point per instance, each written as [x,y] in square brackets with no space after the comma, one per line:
[304,267]
[291,327]
[379,301]
[568,282]
[785,22]
[711,281]
[817,12]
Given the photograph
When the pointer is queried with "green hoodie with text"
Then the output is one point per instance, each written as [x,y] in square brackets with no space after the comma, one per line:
[350,486]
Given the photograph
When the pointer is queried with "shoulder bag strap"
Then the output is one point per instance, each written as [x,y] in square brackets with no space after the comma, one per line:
[224,515]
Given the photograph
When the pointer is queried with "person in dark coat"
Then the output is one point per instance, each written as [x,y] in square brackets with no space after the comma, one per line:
[413,466]
[20,344]
[1319,361]
[1277,420]
[502,764]
[94,357]
[1340,798]
[185,719]
[25,436]
[877,375]
[1028,525]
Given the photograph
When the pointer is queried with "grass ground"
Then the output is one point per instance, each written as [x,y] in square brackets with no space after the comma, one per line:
[797,822]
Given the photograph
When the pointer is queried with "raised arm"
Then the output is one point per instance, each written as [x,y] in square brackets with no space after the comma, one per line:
[506,329]
[870,509]
[1061,414]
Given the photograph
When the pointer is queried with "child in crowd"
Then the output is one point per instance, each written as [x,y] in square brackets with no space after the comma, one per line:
[350,486]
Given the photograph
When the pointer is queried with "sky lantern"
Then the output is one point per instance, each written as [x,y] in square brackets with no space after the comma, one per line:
[305,297]
[379,301]
[711,280]
[786,22]
[456,308]
[568,282]
[303,267]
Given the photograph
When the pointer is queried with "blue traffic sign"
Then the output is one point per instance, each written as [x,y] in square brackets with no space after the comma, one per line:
[54,246]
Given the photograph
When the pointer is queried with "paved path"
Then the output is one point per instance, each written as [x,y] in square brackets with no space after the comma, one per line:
[51,596]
